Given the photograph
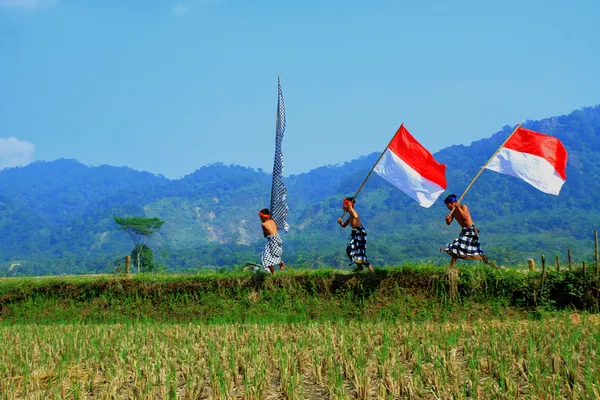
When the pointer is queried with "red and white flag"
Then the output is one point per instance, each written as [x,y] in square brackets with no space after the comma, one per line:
[408,165]
[538,159]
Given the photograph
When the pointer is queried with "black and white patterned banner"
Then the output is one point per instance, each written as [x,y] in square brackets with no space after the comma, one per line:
[279,208]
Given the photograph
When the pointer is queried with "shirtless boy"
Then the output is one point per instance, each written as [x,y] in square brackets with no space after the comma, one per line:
[357,249]
[271,255]
[466,246]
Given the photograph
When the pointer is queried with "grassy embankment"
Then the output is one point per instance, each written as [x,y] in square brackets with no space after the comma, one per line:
[412,292]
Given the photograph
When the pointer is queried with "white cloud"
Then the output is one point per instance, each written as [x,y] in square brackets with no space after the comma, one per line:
[179,9]
[29,4]
[15,152]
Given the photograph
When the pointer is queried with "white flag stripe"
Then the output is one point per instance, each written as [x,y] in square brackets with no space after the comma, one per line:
[404,177]
[535,170]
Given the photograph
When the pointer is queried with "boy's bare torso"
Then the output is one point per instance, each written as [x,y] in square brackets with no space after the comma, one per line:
[462,216]
[269,227]
[354,221]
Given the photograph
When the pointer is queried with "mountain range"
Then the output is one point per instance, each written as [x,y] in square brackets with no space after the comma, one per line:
[57,216]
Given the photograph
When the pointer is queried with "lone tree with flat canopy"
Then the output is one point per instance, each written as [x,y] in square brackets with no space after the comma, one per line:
[140,229]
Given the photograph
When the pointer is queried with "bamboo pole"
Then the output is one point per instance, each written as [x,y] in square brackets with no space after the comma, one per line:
[374,165]
[557,265]
[569,258]
[484,166]
[583,267]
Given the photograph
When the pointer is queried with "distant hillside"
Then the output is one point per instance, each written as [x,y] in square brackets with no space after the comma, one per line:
[57,216]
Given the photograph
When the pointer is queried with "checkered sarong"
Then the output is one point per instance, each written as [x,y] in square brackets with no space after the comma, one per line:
[357,249]
[271,255]
[466,246]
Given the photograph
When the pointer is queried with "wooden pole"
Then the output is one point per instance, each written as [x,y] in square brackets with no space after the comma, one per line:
[569,257]
[374,165]
[557,265]
[583,266]
[485,165]
[596,246]
[127,264]
[543,274]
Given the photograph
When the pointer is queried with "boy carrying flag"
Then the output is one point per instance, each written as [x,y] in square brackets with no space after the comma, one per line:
[466,246]
[357,249]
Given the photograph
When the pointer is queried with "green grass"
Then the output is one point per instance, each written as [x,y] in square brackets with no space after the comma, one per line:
[418,292]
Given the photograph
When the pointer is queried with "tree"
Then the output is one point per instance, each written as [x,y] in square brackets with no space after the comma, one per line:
[140,229]
[146,258]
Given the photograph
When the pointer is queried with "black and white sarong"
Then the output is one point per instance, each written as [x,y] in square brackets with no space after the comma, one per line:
[466,246]
[357,249]
[271,255]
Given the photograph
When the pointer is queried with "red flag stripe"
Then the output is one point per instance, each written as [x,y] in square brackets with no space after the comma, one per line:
[537,144]
[406,147]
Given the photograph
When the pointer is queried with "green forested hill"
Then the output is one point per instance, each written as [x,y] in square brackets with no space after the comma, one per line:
[57,216]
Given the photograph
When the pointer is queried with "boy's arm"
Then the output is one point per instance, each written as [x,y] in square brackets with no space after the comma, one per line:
[343,224]
[352,212]
[265,232]
[449,219]
[463,210]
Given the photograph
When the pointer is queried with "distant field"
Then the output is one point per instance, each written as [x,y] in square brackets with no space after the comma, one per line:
[555,357]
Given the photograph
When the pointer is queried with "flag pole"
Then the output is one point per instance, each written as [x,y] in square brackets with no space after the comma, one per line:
[485,165]
[374,165]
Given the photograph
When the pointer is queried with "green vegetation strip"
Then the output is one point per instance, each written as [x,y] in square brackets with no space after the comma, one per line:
[421,292]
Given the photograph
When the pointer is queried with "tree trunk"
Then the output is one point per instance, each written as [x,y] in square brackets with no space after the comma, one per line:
[138,260]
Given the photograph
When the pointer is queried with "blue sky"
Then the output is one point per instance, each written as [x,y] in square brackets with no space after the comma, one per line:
[168,87]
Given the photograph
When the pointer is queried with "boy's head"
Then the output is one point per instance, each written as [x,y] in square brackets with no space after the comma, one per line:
[348,201]
[450,201]
[264,214]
